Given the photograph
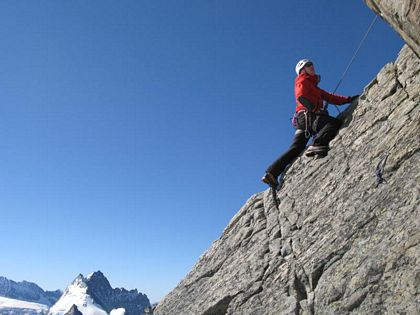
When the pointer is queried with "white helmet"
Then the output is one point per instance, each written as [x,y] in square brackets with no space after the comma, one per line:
[301,64]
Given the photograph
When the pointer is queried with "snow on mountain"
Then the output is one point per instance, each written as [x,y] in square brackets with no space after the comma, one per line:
[94,295]
[27,291]
[10,306]
[76,294]
[118,311]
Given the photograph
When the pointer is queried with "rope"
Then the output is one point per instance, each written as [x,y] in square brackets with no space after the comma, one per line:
[353,57]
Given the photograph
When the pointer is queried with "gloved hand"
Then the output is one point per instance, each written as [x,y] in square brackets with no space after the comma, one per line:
[323,111]
[350,99]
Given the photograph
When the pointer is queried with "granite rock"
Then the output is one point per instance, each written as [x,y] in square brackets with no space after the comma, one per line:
[345,236]
[403,16]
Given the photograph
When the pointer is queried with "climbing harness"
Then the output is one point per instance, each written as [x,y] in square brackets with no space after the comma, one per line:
[380,169]
[308,122]
[352,59]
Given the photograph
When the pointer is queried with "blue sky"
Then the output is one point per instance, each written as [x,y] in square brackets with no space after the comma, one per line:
[133,131]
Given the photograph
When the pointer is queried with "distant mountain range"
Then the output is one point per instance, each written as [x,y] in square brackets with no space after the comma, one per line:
[25,298]
[92,295]
[27,291]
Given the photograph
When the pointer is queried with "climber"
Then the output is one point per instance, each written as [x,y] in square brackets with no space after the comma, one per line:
[311,119]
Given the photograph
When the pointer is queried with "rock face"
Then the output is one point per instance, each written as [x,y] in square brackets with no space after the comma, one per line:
[342,241]
[404,17]
[74,311]
[337,244]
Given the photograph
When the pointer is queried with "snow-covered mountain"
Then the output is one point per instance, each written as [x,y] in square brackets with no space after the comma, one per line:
[94,295]
[25,298]
[76,294]
[27,291]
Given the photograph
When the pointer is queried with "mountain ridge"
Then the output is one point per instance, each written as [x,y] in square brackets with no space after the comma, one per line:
[94,295]
[27,291]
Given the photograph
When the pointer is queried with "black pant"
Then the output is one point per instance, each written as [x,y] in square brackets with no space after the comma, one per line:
[323,127]
[326,128]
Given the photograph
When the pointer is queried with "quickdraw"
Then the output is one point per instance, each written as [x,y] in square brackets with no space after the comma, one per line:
[308,122]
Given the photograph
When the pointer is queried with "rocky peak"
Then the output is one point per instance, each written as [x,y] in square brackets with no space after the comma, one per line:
[79,281]
[98,278]
[73,311]
[103,294]
[345,236]
[99,287]
[96,291]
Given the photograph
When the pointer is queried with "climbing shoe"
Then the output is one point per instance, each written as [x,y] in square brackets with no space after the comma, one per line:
[270,180]
[320,150]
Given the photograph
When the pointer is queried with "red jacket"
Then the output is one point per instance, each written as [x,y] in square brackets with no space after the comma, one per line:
[306,85]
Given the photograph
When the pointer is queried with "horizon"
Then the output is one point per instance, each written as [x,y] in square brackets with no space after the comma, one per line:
[133,132]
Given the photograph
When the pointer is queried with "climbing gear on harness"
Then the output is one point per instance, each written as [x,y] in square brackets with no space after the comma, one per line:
[301,64]
[308,122]
[380,169]
[352,59]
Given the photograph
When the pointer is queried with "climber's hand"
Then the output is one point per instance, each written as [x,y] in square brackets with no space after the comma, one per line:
[350,99]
